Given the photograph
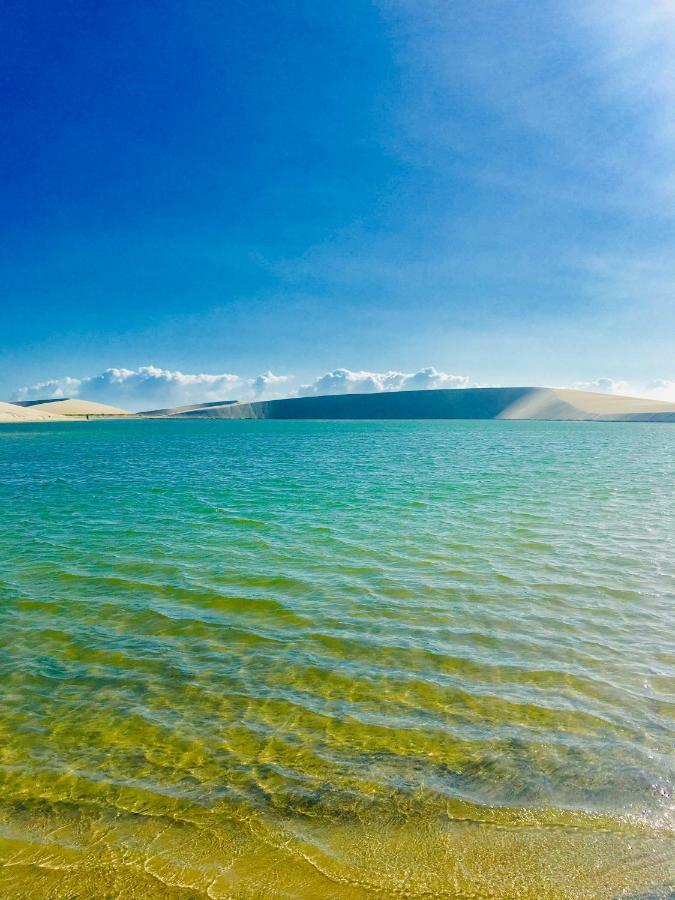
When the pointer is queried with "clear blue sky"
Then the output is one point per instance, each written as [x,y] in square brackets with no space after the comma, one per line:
[237,187]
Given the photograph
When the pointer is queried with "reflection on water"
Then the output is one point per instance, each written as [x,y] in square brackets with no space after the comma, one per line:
[279,659]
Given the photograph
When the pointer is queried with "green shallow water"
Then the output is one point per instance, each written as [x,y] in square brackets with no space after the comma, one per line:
[336,660]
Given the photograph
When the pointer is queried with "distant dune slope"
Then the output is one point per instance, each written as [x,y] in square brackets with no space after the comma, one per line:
[550,403]
[464,403]
[10,412]
[180,410]
[78,408]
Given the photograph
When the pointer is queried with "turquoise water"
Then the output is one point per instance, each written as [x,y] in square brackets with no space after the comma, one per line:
[334,659]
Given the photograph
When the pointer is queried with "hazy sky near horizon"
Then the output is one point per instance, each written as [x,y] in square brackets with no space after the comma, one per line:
[217,190]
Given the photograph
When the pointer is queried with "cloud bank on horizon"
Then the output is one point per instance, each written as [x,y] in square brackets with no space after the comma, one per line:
[151,387]
[344,381]
[656,389]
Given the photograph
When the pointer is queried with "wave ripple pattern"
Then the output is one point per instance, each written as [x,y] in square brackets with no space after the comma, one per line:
[336,660]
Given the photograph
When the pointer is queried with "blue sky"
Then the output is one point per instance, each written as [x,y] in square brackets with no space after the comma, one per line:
[223,190]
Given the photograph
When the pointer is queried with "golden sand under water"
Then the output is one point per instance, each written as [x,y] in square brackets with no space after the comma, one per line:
[336,660]
[163,855]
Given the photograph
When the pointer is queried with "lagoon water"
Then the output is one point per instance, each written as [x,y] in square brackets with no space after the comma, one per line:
[336,660]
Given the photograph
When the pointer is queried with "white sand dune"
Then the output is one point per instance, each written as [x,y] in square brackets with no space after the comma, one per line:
[536,403]
[79,408]
[10,412]
[174,411]
[552,404]
[562,403]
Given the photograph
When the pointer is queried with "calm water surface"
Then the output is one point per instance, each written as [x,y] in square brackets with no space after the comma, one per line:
[335,660]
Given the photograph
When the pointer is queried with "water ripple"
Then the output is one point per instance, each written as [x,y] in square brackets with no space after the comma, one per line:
[333,660]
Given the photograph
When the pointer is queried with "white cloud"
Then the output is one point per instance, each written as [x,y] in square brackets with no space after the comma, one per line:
[152,387]
[54,389]
[659,389]
[344,381]
[603,386]
[262,384]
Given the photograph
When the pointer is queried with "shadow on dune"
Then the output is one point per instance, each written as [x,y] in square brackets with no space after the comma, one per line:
[465,403]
